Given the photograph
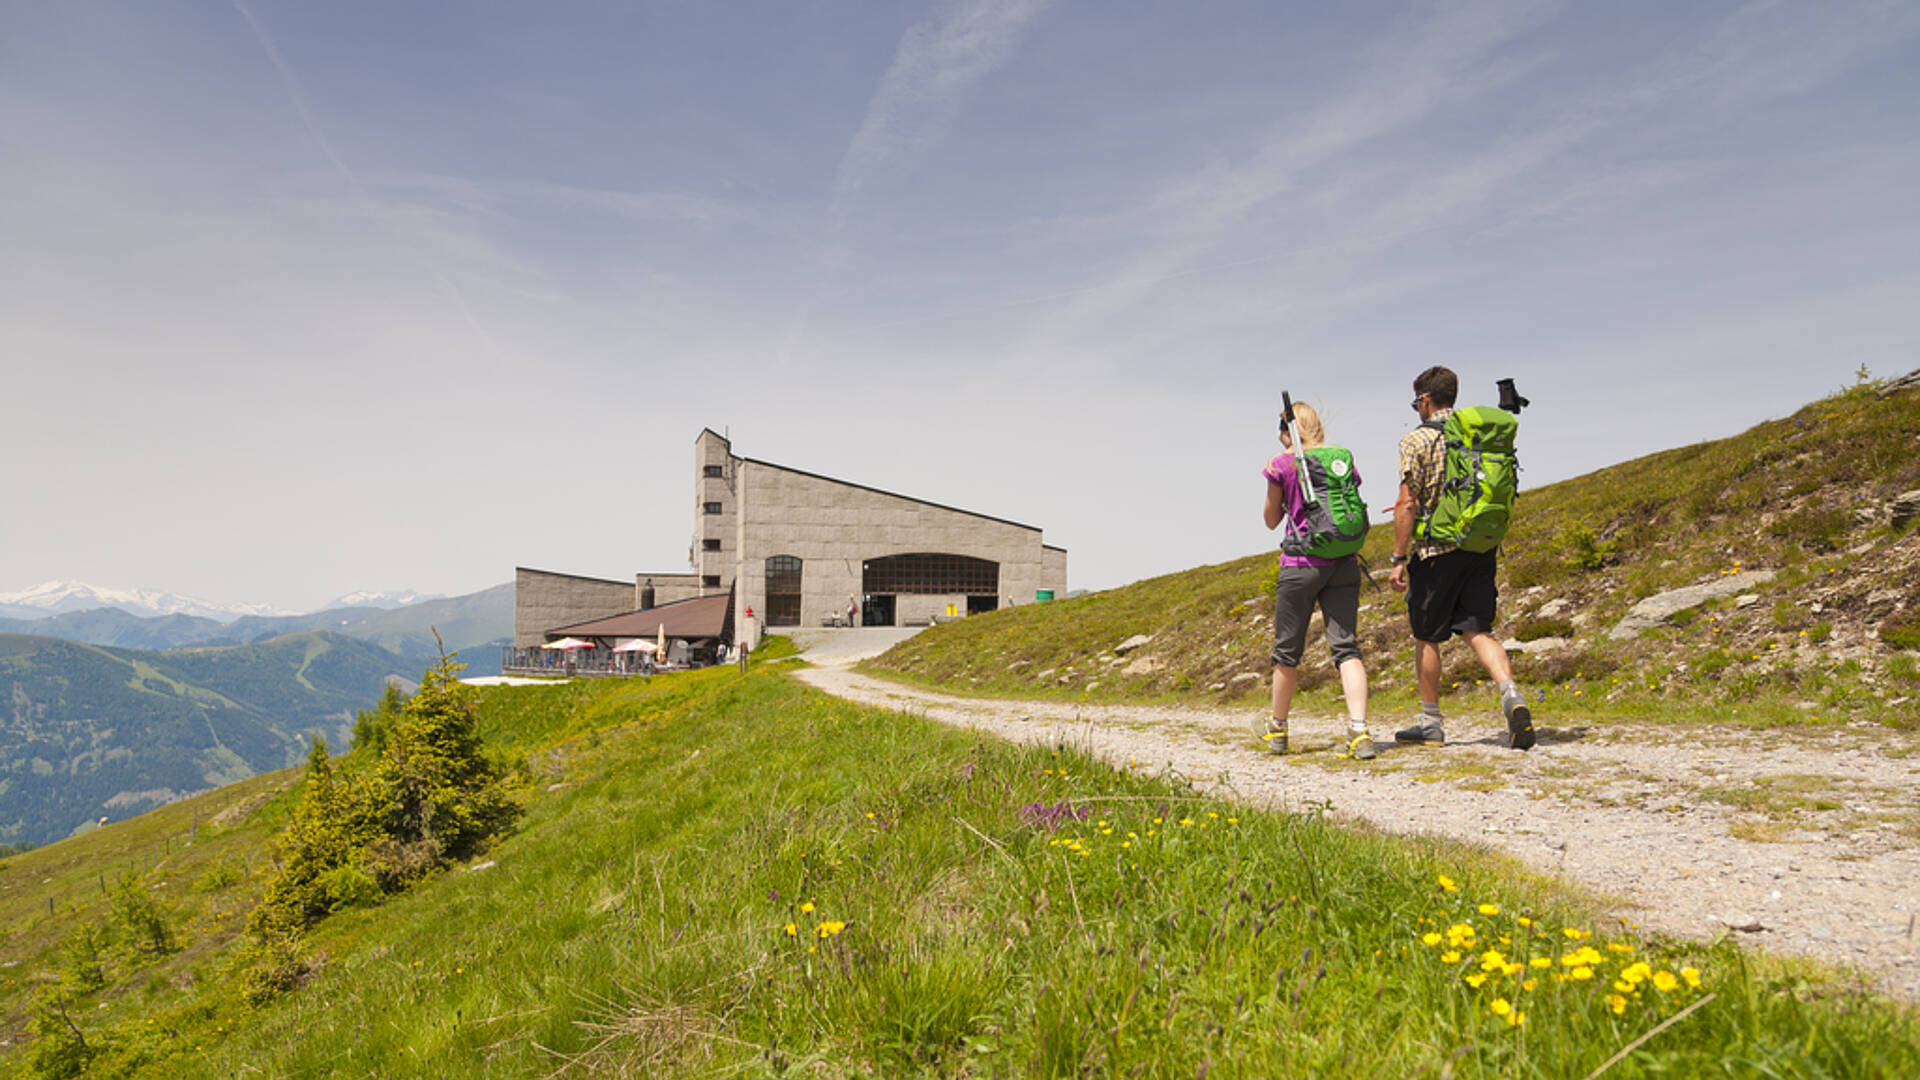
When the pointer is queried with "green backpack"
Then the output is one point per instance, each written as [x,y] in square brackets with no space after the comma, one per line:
[1482,477]
[1336,515]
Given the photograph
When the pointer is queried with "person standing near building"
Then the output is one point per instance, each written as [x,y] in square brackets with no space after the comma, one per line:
[1306,580]
[1449,590]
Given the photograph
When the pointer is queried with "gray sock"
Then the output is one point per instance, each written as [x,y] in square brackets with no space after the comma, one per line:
[1430,708]
[1510,695]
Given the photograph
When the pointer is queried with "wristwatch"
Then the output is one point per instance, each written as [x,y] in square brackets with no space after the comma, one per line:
[1399,560]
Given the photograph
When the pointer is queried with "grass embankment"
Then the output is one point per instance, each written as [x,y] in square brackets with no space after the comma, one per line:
[720,875]
[1830,638]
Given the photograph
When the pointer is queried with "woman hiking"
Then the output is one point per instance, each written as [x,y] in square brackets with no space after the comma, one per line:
[1331,581]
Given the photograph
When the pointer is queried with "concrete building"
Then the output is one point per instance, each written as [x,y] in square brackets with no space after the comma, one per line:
[797,548]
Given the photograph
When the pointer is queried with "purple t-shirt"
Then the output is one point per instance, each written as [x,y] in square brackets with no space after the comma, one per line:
[1281,471]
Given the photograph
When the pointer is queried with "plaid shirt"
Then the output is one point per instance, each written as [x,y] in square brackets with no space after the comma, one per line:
[1423,467]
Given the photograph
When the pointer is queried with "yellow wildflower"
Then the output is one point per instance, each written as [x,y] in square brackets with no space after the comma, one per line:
[1617,1003]
[1500,1006]
[830,927]
[1447,884]
[806,908]
[1489,909]
[1541,962]
[1430,938]
[1665,982]
[792,930]
[1450,957]
[1692,975]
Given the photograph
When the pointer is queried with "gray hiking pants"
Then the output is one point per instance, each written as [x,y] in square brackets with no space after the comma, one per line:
[1336,589]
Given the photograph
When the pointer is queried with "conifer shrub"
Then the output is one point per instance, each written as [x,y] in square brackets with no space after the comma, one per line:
[371,727]
[142,927]
[431,797]
[1581,548]
[61,1050]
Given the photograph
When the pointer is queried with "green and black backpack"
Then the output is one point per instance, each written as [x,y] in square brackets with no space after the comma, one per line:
[1482,478]
[1336,523]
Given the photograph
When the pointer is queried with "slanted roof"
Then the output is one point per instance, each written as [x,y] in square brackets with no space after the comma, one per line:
[888,494]
[701,617]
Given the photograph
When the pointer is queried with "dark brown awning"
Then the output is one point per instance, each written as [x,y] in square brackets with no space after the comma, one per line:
[702,617]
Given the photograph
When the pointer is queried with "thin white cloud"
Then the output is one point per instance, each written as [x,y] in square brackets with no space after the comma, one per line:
[297,95]
[1423,64]
[936,65]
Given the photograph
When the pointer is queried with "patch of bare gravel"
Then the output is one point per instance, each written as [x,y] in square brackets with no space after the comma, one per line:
[1805,842]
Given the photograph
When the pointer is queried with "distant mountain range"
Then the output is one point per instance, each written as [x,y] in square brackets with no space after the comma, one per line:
[60,597]
[87,731]
[475,625]
[63,597]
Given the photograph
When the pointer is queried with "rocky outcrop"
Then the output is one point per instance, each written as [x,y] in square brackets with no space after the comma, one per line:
[1903,509]
[1905,382]
[1660,607]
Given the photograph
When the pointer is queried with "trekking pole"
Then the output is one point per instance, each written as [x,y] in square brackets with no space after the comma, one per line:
[1299,454]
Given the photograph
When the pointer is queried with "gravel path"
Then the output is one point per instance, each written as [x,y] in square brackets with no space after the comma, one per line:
[1804,842]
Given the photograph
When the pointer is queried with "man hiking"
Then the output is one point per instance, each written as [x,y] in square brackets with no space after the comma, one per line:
[1450,590]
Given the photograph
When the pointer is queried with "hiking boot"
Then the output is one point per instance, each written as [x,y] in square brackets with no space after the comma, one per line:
[1275,737]
[1426,731]
[1360,747]
[1520,728]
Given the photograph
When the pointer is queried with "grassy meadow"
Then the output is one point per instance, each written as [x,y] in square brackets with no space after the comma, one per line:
[1833,637]
[720,875]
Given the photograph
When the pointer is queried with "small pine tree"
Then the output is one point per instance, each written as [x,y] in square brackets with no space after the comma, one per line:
[372,726]
[140,920]
[432,795]
[437,783]
[60,1050]
[80,969]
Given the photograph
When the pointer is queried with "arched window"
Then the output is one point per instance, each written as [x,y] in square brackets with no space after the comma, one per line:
[783,590]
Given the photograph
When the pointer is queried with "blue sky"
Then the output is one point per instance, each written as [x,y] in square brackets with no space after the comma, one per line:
[303,298]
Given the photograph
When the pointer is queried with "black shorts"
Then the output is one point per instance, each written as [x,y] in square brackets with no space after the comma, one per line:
[1452,594]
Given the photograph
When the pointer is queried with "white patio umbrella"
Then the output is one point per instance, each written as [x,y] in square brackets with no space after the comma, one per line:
[636,645]
[568,643]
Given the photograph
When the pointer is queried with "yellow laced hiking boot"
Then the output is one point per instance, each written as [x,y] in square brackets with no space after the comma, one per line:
[1275,737]
[1359,745]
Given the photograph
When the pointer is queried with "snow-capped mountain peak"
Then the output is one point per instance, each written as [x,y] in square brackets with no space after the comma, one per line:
[375,598]
[59,597]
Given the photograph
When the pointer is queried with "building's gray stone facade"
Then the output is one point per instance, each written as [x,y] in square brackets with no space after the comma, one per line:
[747,512]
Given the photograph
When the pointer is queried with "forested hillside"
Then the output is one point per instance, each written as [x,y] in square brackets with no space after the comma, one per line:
[89,732]
[466,623]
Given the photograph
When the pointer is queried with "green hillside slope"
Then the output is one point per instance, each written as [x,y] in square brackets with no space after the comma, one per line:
[89,732]
[1807,497]
[720,875]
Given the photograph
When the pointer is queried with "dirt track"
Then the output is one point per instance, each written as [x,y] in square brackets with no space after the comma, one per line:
[1805,842]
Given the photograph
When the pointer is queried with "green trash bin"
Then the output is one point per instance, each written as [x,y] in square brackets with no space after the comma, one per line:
[1041,596]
